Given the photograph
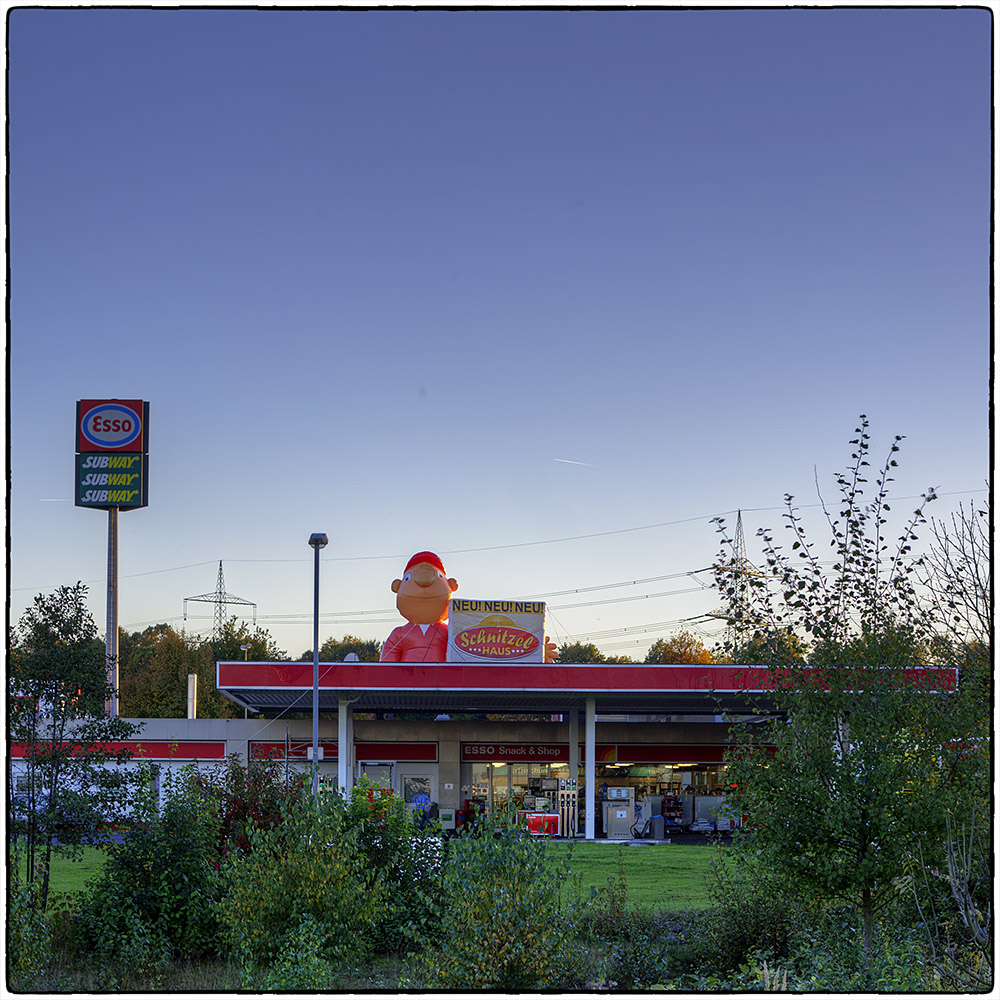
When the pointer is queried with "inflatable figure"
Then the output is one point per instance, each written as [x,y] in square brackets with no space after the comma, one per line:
[422,597]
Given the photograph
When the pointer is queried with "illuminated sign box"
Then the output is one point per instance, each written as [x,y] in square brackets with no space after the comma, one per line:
[495,631]
[119,425]
[112,454]
[111,480]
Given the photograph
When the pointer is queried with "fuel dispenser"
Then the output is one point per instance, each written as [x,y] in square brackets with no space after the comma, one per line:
[618,813]
[567,801]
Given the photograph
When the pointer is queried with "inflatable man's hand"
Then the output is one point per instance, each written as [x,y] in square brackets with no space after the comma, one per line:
[551,651]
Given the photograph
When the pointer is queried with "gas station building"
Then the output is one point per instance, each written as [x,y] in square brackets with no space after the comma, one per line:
[642,731]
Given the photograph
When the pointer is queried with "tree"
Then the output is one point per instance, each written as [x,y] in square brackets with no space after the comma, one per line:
[843,785]
[957,571]
[336,650]
[155,665]
[580,652]
[771,646]
[954,893]
[681,647]
[64,789]
[237,634]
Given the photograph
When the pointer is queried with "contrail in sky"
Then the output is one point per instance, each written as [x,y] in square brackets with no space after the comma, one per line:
[570,461]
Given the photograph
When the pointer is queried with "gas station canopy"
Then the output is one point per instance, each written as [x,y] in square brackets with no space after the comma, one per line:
[474,687]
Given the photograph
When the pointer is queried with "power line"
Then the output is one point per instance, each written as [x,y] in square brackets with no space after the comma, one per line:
[494,548]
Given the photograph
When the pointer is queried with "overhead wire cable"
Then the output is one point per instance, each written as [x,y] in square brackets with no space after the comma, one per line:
[510,545]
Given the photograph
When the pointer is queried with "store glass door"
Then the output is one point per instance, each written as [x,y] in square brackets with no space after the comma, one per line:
[379,773]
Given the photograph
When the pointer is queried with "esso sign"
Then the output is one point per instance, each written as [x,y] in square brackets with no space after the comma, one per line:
[111,425]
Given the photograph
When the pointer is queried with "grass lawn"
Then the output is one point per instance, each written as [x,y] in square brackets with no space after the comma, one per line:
[660,877]
[68,875]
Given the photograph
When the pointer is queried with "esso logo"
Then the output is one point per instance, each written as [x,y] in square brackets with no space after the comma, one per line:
[111,426]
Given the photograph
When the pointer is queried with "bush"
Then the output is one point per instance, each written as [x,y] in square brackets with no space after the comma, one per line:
[157,894]
[308,871]
[299,966]
[826,954]
[632,946]
[502,925]
[28,931]
[248,797]
[754,913]
[409,861]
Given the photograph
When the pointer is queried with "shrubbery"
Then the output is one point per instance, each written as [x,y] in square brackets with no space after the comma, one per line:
[307,868]
[316,894]
[157,894]
[630,947]
[247,797]
[502,923]
[28,930]
[409,861]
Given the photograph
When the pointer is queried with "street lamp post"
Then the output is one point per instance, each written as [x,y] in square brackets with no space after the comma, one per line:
[246,653]
[318,541]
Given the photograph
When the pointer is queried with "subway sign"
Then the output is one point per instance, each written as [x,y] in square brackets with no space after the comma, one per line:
[112,461]
[104,481]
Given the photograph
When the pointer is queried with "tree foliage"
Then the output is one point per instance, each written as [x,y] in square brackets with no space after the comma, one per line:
[587,652]
[336,650]
[236,634]
[957,571]
[64,788]
[681,647]
[155,664]
[580,652]
[153,673]
[844,784]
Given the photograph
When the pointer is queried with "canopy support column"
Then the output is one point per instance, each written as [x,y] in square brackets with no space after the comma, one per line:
[590,769]
[345,728]
[574,766]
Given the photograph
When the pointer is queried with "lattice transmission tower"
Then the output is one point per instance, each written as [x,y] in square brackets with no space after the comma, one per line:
[738,615]
[220,599]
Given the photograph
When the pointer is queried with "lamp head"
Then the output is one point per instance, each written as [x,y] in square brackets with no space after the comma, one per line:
[318,540]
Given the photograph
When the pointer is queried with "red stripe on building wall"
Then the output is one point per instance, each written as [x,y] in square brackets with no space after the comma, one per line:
[522,752]
[396,751]
[153,749]
[299,750]
[671,753]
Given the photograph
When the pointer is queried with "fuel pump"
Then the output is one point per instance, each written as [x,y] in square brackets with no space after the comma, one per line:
[567,803]
[619,813]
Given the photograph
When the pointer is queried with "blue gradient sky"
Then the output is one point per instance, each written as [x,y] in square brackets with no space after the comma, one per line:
[542,290]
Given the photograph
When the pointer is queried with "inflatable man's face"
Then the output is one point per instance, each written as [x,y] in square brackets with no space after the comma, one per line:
[422,595]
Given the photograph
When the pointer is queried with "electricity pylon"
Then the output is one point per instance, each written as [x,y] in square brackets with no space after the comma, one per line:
[220,599]
[737,614]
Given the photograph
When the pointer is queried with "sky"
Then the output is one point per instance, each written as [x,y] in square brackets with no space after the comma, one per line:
[544,291]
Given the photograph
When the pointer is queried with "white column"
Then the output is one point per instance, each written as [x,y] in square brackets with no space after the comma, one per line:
[590,768]
[344,713]
[574,763]
[350,749]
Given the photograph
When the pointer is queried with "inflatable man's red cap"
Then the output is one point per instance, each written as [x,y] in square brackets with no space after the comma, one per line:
[427,557]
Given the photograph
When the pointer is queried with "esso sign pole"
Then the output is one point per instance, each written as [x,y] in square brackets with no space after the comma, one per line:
[112,444]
